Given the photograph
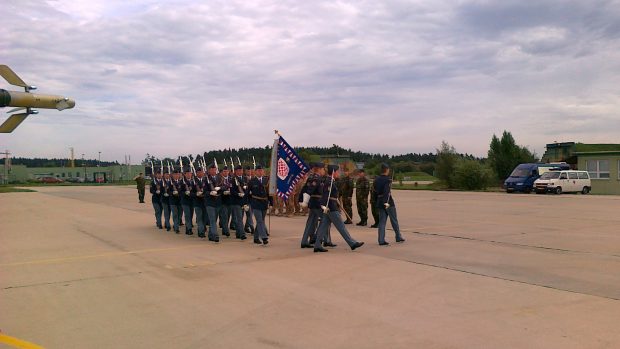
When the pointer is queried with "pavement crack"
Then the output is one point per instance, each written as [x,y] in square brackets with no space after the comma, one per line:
[73,280]
[448,236]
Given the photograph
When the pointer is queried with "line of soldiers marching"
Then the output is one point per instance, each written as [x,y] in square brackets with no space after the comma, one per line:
[225,197]
[238,200]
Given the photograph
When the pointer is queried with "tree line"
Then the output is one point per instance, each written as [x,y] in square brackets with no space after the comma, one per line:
[44,162]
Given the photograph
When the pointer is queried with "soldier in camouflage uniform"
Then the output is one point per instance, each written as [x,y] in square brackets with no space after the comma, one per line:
[362,188]
[373,206]
[346,190]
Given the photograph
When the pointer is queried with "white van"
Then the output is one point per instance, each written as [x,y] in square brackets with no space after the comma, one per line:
[567,181]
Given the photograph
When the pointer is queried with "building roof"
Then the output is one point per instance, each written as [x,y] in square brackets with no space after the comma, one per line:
[596,148]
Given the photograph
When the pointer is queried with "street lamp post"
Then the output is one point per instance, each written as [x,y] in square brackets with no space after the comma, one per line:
[99,165]
[84,165]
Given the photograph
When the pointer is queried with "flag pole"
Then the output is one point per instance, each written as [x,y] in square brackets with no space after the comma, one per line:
[273,185]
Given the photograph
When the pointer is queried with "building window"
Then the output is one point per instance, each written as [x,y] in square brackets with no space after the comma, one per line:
[598,168]
[63,175]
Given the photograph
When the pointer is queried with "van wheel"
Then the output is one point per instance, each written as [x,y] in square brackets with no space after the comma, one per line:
[558,190]
[585,190]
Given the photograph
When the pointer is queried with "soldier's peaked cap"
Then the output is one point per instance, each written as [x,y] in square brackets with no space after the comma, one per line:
[198,169]
[212,166]
[332,168]
[238,167]
[384,166]
[259,167]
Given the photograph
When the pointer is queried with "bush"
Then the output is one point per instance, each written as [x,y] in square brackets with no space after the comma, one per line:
[447,159]
[471,175]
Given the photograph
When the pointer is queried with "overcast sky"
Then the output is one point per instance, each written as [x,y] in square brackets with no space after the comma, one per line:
[179,77]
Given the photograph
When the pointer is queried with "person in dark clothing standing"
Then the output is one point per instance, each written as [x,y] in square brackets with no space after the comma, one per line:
[385,205]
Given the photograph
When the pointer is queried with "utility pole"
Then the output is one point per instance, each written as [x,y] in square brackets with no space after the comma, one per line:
[7,163]
[99,164]
[72,158]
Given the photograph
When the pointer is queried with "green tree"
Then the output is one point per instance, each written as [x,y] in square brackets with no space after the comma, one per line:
[446,161]
[505,154]
[471,175]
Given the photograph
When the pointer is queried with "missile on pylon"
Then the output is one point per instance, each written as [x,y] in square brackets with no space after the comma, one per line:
[26,100]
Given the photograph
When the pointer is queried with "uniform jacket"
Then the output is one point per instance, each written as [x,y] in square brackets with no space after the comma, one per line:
[259,195]
[328,200]
[156,185]
[362,188]
[214,182]
[175,185]
[238,184]
[187,185]
[382,185]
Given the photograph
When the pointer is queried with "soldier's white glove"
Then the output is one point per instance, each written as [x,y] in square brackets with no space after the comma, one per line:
[217,188]
[175,192]
[199,194]
[241,195]
[166,194]
[158,192]
[245,187]
[227,192]
[213,192]
[306,200]
[187,192]
[386,205]
[246,208]
[325,209]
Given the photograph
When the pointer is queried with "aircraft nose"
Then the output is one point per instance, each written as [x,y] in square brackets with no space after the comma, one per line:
[66,103]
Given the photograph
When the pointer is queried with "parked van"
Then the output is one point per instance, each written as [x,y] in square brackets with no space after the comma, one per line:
[523,176]
[563,182]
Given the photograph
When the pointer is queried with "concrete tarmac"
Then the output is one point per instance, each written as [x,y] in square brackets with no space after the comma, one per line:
[85,267]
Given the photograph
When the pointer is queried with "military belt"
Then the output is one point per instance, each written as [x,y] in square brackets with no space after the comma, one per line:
[264,198]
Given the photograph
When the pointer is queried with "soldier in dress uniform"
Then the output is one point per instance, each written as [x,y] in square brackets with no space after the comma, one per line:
[200,189]
[238,201]
[331,214]
[362,188]
[260,202]
[214,202]
[187,201]
[249,216]
[385,205]
[311,198]
[165,199]
[156,190]
[174,192]
[226,201]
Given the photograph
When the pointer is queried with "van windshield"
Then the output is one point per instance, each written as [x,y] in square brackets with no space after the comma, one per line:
[550,175]
[521,172]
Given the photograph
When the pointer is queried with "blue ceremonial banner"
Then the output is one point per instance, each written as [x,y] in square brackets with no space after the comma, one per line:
[290,169]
